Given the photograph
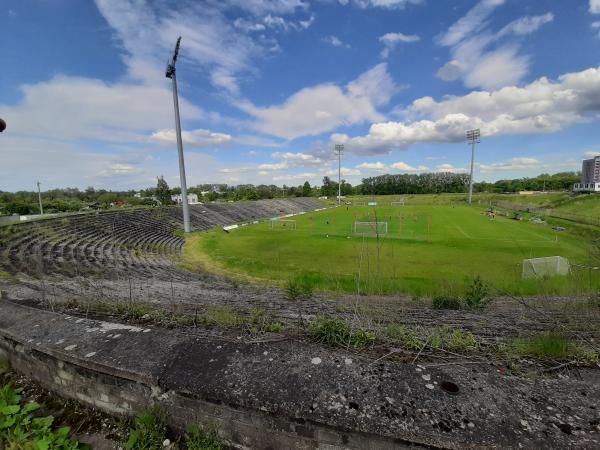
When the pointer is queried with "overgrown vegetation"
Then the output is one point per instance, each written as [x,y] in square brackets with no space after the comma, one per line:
[446,302]
[338,333]
[20,429]
[476,293]
[453,339]
[552,345]
[403,336]
[149,432]
[196,438]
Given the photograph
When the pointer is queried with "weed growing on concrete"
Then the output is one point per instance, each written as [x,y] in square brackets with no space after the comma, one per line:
[446,302]
[403,336]
[338,333]
[554,345]
[21,429]
[476,293]
[196,438]
[222,316]
[456,340]
[149,432]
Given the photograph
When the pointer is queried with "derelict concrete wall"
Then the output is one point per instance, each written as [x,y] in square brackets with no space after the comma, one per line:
[241,428]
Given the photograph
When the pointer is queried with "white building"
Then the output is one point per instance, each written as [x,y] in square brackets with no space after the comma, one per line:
[192,199]
[590,176]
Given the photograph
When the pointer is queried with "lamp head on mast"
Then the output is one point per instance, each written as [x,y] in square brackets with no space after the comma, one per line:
[171,67]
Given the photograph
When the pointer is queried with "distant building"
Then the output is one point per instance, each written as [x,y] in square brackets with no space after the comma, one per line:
[590,176]
[192,199]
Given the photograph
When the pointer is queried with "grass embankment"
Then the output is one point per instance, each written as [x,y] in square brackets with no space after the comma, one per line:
[429,249]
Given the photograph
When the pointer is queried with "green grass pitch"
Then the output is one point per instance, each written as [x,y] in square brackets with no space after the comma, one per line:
[428,249]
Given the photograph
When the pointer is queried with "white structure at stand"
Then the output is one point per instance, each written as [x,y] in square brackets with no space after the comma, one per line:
[191,198]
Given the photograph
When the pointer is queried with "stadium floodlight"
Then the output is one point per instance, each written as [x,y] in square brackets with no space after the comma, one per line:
[473,136]
[339,149]
[40,199]
[170,73]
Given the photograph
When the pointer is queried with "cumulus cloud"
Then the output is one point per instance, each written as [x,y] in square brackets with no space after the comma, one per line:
[306,176]
[346,172]
[390,40]
[595,6]
[450,168]
[195,138]
[482,58]
[512,164]
[403,167]
[335,41]
[314,110]
[299,159]
[72,107]
[376,166]
[542,106]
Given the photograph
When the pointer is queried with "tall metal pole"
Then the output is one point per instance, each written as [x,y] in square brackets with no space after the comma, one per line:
[184,200]
[40,199]
[473,137]
[339,149]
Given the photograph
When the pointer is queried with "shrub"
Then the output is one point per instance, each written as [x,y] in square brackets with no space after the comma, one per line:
[476,293]
[19,429]
[337,333]
[223,317]
[446,302]
[150,431]
[407,338]
[456,339]
[198,439]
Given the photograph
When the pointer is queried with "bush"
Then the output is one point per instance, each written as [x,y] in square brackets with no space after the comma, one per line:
[446,302]
[150,431]
[337,333]
[198,439]
[19,429]
[457,340]
[407,338]
[476,293]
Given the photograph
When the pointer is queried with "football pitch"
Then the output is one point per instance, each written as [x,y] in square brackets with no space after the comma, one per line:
[422,249]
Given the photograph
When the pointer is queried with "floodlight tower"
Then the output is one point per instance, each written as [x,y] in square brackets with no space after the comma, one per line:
[339,149]
[170,73]
[40,199]
[473,136]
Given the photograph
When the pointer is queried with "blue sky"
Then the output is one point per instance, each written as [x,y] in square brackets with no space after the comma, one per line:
[267,88]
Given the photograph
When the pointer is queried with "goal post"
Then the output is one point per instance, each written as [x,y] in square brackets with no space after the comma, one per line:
[370,228]
[545,267]
[282,224]
[398,203]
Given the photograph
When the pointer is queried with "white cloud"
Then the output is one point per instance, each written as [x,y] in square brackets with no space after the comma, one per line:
[485,59]
[390,40]
[299,159]
[247,25]
[512,164]
[402,166]
[195,138]
[345,171]
[542,106]
[335,41]
[595,6]
[307,176]
[314,110]
[71,107]
[450,168]
[591,154]
[385,4]
[376,166]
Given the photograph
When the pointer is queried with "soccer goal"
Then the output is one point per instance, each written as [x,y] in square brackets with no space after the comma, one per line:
[283,224]
[545,267]
[370,228]
[398,203]
[358,203]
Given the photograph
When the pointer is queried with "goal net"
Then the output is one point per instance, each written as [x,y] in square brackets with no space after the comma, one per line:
[282,224]
[370,228]
[398,203]
[358,203]
[545,267]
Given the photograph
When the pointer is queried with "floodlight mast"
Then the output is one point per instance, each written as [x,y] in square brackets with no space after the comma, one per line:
[473,136]
[40,199]
[339,149]
[170,73]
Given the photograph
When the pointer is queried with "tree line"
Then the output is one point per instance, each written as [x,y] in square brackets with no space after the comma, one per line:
[73,199]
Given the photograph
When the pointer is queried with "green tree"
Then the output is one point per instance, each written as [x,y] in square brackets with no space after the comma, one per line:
[306,190]
[163,193]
